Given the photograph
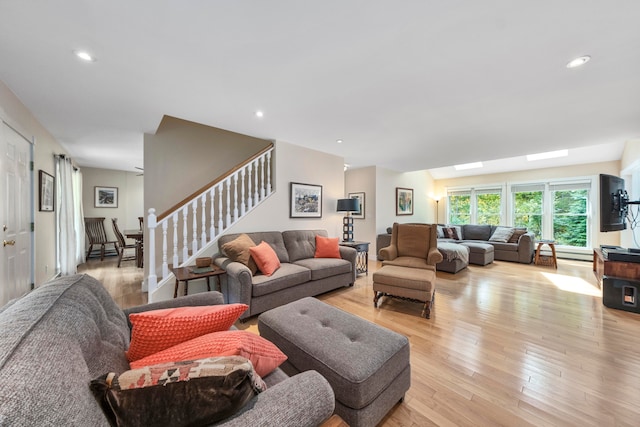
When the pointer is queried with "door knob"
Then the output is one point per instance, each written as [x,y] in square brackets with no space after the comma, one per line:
[8,242]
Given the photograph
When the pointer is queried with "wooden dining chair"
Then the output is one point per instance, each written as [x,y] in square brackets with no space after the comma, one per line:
[94,227]
[122,244]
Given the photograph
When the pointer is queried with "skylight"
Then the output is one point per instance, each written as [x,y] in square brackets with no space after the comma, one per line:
[466,166]
[547,155]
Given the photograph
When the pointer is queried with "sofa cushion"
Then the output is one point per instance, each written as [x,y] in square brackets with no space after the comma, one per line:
[274,238]
[265,257]
[238,250]
[197,392]
[301,244]
[476,232]
[458,229]
[327,247]
[157,330]
[264,355]
[513,247]
[502,234]
[286,276]
[325,267]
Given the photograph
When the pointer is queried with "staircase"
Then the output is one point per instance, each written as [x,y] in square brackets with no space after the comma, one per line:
[190,228]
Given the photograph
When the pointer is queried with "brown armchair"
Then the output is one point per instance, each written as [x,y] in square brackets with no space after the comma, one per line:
[412,245]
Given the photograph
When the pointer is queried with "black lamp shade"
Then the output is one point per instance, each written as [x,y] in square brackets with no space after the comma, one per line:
[348,205]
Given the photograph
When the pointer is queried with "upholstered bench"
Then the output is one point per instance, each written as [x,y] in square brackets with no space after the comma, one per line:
[416,284]
[479,253]
[367,365]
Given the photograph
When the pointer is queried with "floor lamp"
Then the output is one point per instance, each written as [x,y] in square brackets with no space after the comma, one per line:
[347,205]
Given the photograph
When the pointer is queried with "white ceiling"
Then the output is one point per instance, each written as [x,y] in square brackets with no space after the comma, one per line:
[407,85]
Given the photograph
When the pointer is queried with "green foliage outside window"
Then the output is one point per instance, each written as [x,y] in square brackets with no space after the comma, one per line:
[488,209]
[528,211]
[570,217]
[460,209]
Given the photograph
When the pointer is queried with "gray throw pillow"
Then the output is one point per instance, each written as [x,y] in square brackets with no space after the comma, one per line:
[502,234]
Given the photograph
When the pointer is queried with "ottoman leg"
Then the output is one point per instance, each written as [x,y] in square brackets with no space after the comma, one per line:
[376,297]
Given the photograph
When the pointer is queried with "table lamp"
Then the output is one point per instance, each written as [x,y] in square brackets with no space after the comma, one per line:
[348,205]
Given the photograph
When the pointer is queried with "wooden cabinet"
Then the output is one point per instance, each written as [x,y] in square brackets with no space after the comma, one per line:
[604,267]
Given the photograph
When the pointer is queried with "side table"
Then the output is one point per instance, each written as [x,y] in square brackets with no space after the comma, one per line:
[540,259]
[191,272]
[362,257]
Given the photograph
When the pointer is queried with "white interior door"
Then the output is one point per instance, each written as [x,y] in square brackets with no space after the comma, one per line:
[15,214]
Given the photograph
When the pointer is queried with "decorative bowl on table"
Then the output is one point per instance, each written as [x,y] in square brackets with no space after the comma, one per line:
[203,262]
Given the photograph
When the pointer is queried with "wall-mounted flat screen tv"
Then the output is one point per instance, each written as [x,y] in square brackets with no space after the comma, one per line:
[613,203]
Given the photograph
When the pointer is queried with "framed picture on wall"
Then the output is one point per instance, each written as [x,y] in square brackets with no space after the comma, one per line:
[404,201]
[305,201]
[106,197]
[359,214]
[47,192]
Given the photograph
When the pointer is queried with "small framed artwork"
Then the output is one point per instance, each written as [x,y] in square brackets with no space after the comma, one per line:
[404,201]
[106,197]
[359,214]
[305,201]
[47,192]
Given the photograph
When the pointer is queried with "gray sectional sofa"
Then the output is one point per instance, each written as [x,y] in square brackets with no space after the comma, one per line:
[300,274]
[64,334]
[459,252]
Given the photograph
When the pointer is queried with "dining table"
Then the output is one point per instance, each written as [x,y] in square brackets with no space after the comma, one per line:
[138,236]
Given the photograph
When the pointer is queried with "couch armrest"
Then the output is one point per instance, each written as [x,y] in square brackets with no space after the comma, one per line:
[350,254]
[305,399]
[237,283]
[202,298]
[526,248]
[434,256]
[382,241]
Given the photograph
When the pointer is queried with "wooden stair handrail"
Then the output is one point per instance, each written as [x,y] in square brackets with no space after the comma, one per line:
[204,188]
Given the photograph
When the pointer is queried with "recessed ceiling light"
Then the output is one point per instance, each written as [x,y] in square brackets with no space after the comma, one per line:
[465,166]
[547,155]
[85,56]
[259,114]
[578,61]
[339,141]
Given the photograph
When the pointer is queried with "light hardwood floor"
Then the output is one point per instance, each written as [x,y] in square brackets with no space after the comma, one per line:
[507,344]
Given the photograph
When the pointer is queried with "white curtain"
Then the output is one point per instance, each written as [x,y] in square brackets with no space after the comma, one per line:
[70,217]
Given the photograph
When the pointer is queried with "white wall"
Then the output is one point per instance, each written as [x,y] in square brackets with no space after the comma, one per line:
[363,180]
[20,118]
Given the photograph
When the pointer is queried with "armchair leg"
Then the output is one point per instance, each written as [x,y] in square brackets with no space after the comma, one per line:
[376,297]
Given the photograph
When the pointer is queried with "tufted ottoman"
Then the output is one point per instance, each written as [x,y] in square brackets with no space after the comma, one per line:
[367,365]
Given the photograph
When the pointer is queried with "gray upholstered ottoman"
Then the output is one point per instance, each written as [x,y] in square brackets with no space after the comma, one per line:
[367,365]
[479,253]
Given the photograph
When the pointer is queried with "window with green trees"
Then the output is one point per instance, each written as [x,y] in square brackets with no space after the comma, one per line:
[570,217]
[489,208]
[527,211]
[459,208]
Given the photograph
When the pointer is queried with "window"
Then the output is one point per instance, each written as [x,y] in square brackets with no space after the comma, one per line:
[459,208]
[489,207]
[570,215]
[557,210]
[528,207]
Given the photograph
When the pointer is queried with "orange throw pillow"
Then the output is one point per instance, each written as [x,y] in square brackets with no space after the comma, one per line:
[266,258]
[156,330]
[327,247]
[263,354]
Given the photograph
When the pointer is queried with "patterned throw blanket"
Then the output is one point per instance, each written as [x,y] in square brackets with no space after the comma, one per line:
[451,251]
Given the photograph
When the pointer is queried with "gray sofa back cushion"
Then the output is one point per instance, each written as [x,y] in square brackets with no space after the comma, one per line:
[301,244]
[64,334]
[273,238]
[476,232]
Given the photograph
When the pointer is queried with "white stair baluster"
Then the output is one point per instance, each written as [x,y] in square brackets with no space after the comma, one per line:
[255,179]
[228,216]
[268,167]
[235,197]
[249,198]
[242,204]
[220,211]
[185,244]
[165,267]
[262,175]
[174,219]
[203,214]
[212,220]
[194,225]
